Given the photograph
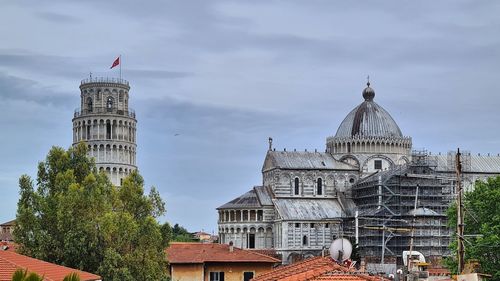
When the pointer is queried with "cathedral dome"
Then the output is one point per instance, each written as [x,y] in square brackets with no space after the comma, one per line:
[368,120]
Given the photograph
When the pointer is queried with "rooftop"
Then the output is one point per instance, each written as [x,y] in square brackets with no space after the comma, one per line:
[308,209]
[181,253]
[107,80]
[368,120]
[11,261]
[9,223]
[257,197]
[303,160]
[316,268]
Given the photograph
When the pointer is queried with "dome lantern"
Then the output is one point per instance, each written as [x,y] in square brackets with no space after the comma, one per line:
[368,92]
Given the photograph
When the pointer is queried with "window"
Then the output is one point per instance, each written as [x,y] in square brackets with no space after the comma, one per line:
[351,180]
[109,103]
[312,225]
[89,104]
[251,241]
[108,130]
[378,164]
[120,97]
[327,225]
[247,276]
[217,276]
[319,186]
[88,132]
[304,240]
[297,225]
[296,186]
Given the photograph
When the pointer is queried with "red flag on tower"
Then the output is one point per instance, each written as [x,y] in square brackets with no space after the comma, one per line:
[116,62]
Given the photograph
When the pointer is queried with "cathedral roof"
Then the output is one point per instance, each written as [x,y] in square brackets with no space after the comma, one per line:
[477,163]
[368,120]
[265,195]
[258,197]
[303,160]
[308,209]
[422,211]
[247,200]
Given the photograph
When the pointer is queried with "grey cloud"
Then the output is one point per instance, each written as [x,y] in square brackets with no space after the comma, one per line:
[58,18]
[157,74]
[63,66]
[15,88]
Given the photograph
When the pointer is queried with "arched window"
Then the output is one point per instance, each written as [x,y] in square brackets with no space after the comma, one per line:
[296,186]
[88,132]
[319,186]
[120,97]
[108,130]
[109,103]
[304,240]
[89,104]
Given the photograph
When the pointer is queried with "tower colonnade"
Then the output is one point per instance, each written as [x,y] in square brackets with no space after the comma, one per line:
[107,125]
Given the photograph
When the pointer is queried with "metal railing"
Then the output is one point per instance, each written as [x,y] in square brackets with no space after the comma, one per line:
[104,80]
[104,110]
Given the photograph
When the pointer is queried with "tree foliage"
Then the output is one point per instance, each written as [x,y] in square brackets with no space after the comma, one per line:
[22,275]
[180,234]
[77,218]
[482,227]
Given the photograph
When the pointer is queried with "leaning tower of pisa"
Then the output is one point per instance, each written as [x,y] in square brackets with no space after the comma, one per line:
[107,125]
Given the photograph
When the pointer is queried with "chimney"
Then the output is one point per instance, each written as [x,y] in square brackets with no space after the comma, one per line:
[231,248]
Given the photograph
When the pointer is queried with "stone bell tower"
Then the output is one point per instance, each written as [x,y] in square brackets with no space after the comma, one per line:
[107,125]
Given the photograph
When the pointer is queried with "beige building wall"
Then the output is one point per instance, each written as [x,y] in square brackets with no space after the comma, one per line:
[232,271]
[186,272]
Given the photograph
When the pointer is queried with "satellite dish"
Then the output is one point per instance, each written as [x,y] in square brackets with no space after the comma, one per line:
[341,249]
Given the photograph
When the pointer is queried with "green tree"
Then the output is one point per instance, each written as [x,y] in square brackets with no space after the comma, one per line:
[482,227]
[77,218]
[22,275]
[180,234]
[72,277]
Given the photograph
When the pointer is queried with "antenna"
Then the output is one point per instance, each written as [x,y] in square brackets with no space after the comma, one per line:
[340,250]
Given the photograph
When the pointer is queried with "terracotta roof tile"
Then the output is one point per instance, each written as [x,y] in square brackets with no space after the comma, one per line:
[267,252]
[11,261]
[9,223]
[315,269]
[8,246]
[439,271]
[202,252]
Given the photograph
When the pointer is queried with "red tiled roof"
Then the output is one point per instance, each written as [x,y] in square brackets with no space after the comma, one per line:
[439,271]
[9,223]
[10,262]
[315,269]
[8,246]
[267,252]
[200,253]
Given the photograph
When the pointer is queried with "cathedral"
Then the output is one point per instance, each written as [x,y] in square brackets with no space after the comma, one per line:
[363,186]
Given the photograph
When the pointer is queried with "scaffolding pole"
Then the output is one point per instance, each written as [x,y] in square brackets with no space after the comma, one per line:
[460,215]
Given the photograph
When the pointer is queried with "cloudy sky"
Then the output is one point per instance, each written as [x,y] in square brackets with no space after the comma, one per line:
[226,75]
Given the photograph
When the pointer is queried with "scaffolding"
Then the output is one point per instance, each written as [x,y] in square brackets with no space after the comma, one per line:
[465,157]
[386,201]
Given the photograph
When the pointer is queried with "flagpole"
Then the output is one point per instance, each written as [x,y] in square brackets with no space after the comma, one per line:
[121,67]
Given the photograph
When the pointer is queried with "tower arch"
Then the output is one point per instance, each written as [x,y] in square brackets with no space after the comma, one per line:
[105,121]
